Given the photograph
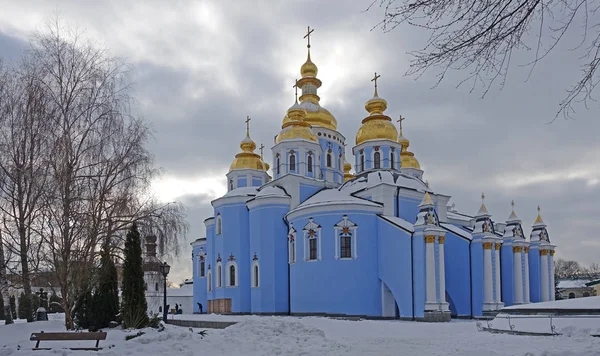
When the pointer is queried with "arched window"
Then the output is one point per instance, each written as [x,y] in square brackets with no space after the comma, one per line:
[340,165]
[309,163]
[231,184]
[219,224]
[377,160]
[292,162]
[219,275]
[329,159]
[209,281]
[292,245]
[312,236]
[156,287]
[277,163]
[392,159]
[255,275]
[362,162]
[345,239]
[201,268]
[571,295]
[232,274]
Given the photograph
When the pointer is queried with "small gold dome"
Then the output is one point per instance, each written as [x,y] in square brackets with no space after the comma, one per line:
[247,159]
[376,126]
[408,160]
[308,69]
[296,127]
[347,174]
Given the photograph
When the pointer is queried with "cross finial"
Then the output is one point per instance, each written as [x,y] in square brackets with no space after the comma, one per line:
[307,36]
[375,80]
[512,203]
[296,87]
[482,197]
[262,147]
[399,121]
[539,209]
[248,125]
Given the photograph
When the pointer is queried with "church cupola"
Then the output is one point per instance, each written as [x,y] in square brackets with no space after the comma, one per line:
[347,169]
[376,140]
[513,226]
[408,162]
[296,150]
[539,232]
[247,169]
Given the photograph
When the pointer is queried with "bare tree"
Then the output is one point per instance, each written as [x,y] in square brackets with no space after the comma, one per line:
[566,269]
[4,285]
[482,37]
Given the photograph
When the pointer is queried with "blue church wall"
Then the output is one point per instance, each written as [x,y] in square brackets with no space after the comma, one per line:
[507,269]
[242,182]
[257,181]
[535,284]
[395,264]
[477,276]
[210,262]
[306,191]
[458,276]
[418,252]
[233,241]
[268,233]
[199,282]
[351,286]
[409,208]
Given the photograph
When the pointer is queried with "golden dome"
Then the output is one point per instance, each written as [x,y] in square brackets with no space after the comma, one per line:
[347,174]
[247,159]
[407,158]
[376,126]
[296,127]
[308,69]
[317,115]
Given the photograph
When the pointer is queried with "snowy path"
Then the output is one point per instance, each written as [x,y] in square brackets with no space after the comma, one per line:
[255,335]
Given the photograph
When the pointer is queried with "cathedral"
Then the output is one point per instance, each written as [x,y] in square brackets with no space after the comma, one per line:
[305,236]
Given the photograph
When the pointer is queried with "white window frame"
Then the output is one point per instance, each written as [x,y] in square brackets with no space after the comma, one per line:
[227,275]
[317,229]
[219,225]
[345,222]
[255,278]
[292,245]
[219,275]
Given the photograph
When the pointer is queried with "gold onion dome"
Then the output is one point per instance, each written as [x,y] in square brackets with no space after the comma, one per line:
[376,126]
[309,69]
[407,158]
[247,159]
[296,127]
[347,174]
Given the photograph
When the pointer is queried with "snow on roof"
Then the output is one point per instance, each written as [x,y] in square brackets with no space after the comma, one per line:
[576,303]
[243,191]
[187,290]
[272,192]
[459,216]
[371,179]
[399,222]
[334,196]
[572,283]
[457,230]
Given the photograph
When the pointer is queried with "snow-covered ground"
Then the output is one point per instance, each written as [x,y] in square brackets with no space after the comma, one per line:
[578,303]
[267,335]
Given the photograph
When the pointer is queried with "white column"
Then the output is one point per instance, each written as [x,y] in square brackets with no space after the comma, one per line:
[526,274]
[552,285]
[441,240]
[498,298]
[488,288]
[517,274]
[430,294]
[544,274]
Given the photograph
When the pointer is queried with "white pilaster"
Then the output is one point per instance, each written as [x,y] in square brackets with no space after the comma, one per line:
[430,289]
[518,274]
[552,285]
[444,304]
[488,287]
[498,298]
[544,274]
[526,274]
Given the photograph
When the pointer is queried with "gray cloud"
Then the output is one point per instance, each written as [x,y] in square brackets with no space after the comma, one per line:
[201,67]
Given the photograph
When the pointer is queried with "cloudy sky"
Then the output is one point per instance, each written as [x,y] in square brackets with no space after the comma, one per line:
[200,67]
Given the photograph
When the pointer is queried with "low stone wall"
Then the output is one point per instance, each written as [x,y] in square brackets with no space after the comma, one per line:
[202,323]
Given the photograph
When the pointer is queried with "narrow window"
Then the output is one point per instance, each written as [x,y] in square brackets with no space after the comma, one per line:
[346,244]
[292,162]
[201,268]
[156,287]
[313,248]
[309,163]
[219,224]
[362,162]
[209,280]
[277,164]
[255,276]
[230,184]
[231,275]
[392,159]
[329,160]
[377,159]
[219,277]
[340,166]
[293,251]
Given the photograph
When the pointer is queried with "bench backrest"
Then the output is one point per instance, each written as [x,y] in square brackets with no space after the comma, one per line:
[68,336]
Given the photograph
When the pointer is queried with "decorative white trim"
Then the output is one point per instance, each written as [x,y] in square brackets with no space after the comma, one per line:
[219,225]
[219,275]
[317,229]
[209,281]
[255,278]
[292,245]
[228,275]
[345,223]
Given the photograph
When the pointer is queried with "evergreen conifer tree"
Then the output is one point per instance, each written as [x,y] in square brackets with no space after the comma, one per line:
[134,288]
[106,297]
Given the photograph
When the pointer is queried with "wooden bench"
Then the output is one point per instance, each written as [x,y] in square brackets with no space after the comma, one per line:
[68,336]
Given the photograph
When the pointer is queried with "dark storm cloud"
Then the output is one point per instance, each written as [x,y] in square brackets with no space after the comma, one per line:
[200,68]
